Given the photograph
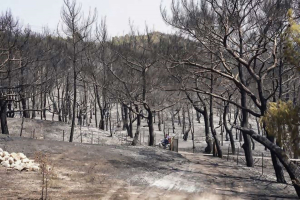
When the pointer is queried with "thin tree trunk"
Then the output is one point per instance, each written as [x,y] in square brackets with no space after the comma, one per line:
[130,124]
[95,107]
[138,127]
[183,120]
[33,104]
[151,129]
[228,131]
[3,110]
[74,101]
[211,115]
[159,121]
[186,133]
[209,146]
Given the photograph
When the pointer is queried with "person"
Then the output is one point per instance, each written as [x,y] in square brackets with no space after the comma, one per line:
[169,139]
[166,140]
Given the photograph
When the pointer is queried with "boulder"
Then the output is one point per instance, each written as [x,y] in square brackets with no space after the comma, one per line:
[10,160]
[35,168]
[5,153]
[6,157]
[18,162]
[15,156]
[22,156]
[25,160]
[5,163]
[19,167]
[1,150]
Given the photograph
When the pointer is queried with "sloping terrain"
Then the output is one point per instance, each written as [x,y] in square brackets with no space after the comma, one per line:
[85,171]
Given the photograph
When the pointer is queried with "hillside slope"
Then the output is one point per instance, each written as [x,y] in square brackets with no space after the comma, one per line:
[86,171]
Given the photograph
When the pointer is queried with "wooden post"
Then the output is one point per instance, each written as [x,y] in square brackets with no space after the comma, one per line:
[228,152]
[63,135]
[237,156]
[221,135]
[140,138]
[92,137]
[22,126]
[262,163]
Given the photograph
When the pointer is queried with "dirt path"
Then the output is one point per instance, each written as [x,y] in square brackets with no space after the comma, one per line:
[123,172]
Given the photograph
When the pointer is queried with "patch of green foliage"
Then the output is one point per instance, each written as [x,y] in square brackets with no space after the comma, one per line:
[291,39]
[282,121]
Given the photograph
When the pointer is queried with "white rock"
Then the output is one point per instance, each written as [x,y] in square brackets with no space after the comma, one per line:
[11,160]
[5,153]
[22,156]
[15,156]
[35,168]
[25,160]
[19,167]
[5,164]
[18,162]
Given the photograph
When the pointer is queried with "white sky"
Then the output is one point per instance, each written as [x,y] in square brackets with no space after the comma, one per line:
[41,13]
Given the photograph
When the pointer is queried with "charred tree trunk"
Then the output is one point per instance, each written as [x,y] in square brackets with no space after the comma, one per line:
[102,110]
[95,107]
[127,126]
[138,127]
[33,104]
[290,167]
[216,140]
[211,114]
[3,116]
[44,105]
[22,93]
[159,121]
[198,116]
[151,129]
[276,163]
[247,142]
[228,131]
[74,101]
[186,133]
[130,134]
[209,146]
[173,123]
[59,105]
[183,120]
[179,120]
